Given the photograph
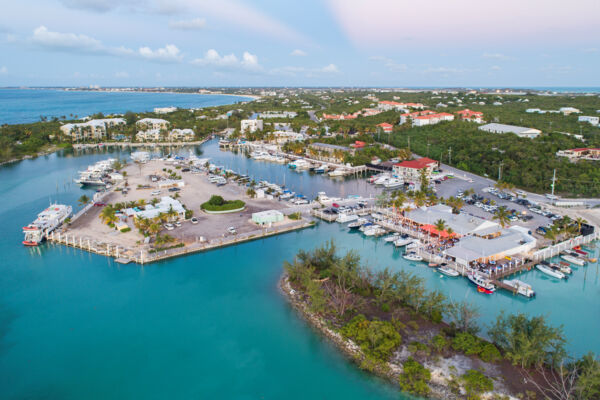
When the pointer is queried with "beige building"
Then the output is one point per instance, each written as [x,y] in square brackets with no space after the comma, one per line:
[152,123]
[93,129]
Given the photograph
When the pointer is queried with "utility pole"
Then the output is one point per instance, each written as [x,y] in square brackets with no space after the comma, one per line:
[409,143]
[427,149]
[449,155]
[553,181]
[500,171]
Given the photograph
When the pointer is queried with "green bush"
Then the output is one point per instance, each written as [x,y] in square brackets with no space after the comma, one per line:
[377,339]
[439,343]
[476,383]
[128,229]
[414,378]
[217,203]
[489,353]
[295,216]
[189,214]
[466,343]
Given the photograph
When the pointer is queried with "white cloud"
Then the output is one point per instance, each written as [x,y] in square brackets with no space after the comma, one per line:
[298,53]
[169,53]
[445,70]
[188,25]
[3,70]
[495,68]
[496,56]
[77,43]
[330,69]
[389,64]
[590,50]
[93,5]
[229,61]
[121,74]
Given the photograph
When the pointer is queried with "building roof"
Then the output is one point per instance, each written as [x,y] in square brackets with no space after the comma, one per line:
[501,128]
[471,248]
[419,163]
[329,146]
[385,125]
[463,224]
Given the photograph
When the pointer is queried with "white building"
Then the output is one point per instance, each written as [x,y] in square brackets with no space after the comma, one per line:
[166,203]
[591,120]
[410,171]
[93,129]
[152,123]
[569,110]
[181,135]
[432,119]
[149,135]
[165,110]
[517,130]
[287,136]
[251,125]
[278,114]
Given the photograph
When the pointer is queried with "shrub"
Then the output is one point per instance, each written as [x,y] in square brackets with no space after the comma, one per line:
[466,343]
[189,214]
[377,339]
[476,383]
[295,216]
[439,343]
[125,230]
[489,352]
[414,378]
[217,203]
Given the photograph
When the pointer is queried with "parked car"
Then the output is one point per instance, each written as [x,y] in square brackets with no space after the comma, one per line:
[169,227]
[194,220]
[231,230]
[99,204]
[155,192]
[174,189]
[177,224]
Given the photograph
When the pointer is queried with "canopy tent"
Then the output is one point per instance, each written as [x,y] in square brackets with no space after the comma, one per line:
[432,230]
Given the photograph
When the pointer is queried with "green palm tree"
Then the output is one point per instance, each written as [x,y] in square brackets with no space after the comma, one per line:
[399,199]
[172,214]
[501,216]
[107,214]
[251,193]
[551,234]
[154,201]
[420,198]
[580,221]
[440,225]
[83,200]
[154,228]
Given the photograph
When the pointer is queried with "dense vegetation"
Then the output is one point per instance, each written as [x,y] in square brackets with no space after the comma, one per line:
[383,311]
[217,203]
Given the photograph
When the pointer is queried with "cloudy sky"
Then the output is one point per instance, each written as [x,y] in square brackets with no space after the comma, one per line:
[300,43]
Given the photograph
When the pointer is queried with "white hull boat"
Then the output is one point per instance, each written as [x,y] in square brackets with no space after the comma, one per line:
[550,272]
[573,260]
[412,257]
[448,271]
[522,288]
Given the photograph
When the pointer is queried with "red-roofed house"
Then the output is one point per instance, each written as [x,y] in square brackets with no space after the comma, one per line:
[584,153]
[469,115]
[410,171]
[385,127]
[340,116]
[358,144]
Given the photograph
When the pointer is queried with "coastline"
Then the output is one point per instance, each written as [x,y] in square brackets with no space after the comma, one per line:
[439,384]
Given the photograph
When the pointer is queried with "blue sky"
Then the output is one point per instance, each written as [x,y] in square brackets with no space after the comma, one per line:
[301,43]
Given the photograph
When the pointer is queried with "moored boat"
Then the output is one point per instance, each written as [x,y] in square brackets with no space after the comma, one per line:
[550,272]
[446,270]
[482,283]
[520,287]
[46,221]
[573,259]
[412,256]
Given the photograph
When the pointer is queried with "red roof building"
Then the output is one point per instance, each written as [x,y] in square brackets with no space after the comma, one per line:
[387,128]
[409,171]
[358,144]
[469,115]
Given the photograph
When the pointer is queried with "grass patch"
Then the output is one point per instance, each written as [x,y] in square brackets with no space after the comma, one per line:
[217,203]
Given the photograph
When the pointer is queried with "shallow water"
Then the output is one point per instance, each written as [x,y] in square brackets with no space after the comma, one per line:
[212,325]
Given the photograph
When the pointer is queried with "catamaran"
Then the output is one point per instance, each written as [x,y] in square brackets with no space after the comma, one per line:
[46,221]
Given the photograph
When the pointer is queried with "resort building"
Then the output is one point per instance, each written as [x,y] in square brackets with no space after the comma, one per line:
[340,116]
[267,217]
[385,127]
[164,110]
[93,129]
[163,207]
[277,114]
[469,115]
[520,131]
[329,152]
[585,153]
[569,110]
[432,119]
[251,125]
[591,120]
[150,135]
[281,137]
[152,123]
[186,135]
[408,116]
[396,106]
[410,171]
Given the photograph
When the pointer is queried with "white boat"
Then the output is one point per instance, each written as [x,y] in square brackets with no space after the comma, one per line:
[46,221]
[343,217]
[374,230]
[446,270]
[382,180]
[338,172]
[375,178]
[392,183]
[392,238]
[412,245]
[403,241]
[357,224]
[412,257]
[322,169]
[299,164]
[550,272]
[565,269]
[259,155]
[485,284]
[522,288]
[573,259]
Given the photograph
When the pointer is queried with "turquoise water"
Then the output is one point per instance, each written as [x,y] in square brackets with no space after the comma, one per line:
[213,325]
[27,105]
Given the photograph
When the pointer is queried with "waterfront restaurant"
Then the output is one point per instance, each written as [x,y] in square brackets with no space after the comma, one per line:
[512,241]
[462,224]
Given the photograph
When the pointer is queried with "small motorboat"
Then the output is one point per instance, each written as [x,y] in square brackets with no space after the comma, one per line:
[446,270]
[565,269]
[482,283]
[412,257]
[520,287]
[481,289]
[433,265]
[392,238]
[550,272]
[572,259]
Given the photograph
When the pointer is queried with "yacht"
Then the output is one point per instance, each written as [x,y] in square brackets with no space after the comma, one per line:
[338,172]
[299,164]
[357,224]
[520,287]
[482,283]
[382,180]
[446,270]
[412,256]
[375,178]
[374,230]
[550,272]
[322,169]
[573,259]
[259,155]
[403,241]
[46,221]
[392,183]
[392,238]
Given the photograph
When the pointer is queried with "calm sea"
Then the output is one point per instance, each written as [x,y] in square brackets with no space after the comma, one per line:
[28,105]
